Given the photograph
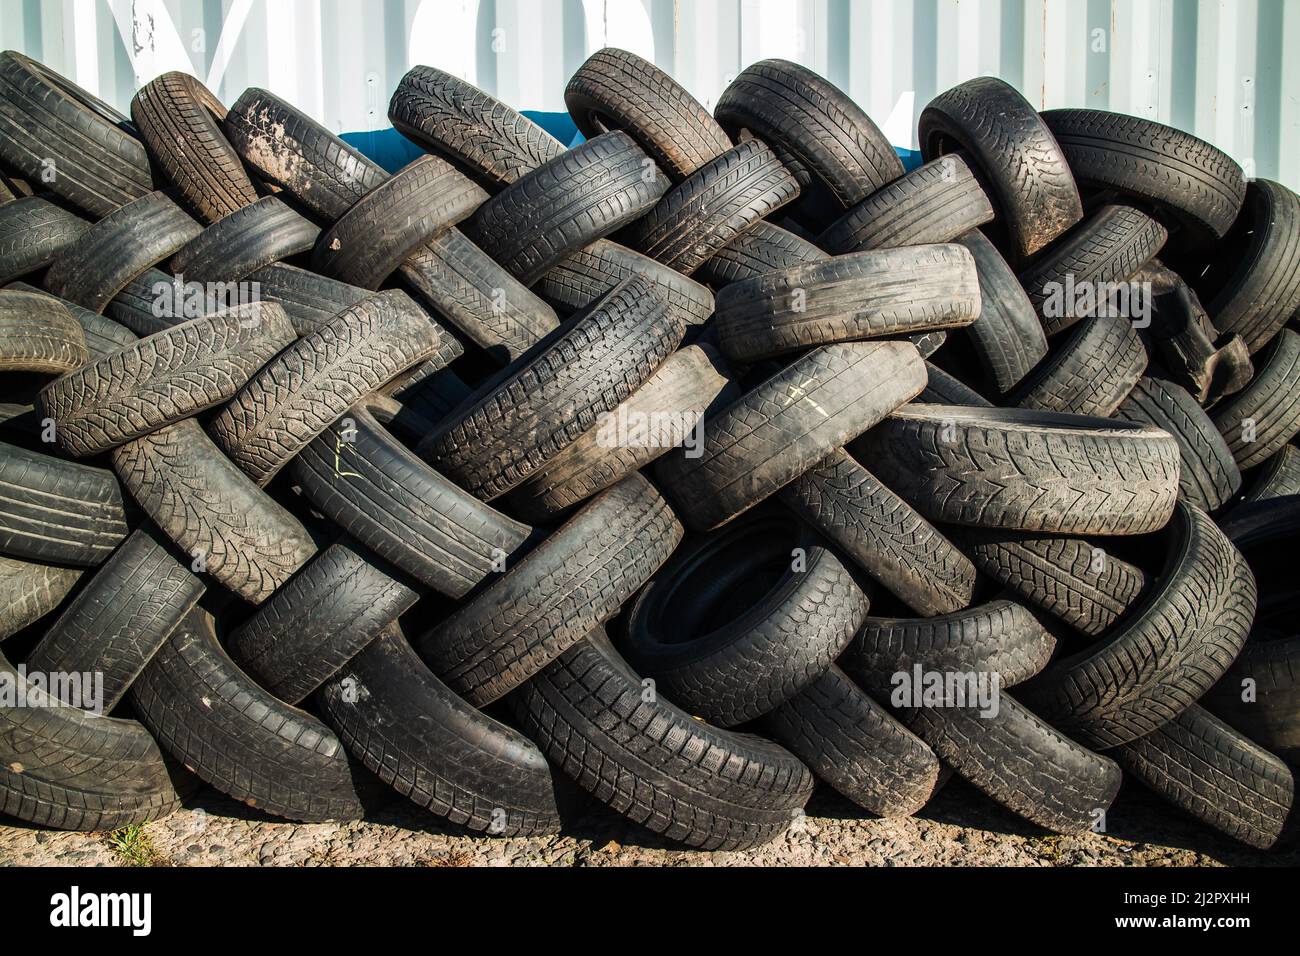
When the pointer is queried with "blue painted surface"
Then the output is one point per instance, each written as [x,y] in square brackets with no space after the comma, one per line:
[391,150]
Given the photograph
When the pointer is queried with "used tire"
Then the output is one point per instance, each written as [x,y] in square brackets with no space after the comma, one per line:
[309,300]
[250,238]
[732,627]
[171,375]
[773,434]
[103,336]
[38,334]
[1257,421]
[761,249]
[1022,167]
[33,233]
[1279,477]
[1089,372]
[1007,336]
[573,582]
[651,761]
[1271,661]
[29,591]
[1026,470]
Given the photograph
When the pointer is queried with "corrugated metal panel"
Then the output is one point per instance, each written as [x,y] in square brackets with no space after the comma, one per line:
[1228,70]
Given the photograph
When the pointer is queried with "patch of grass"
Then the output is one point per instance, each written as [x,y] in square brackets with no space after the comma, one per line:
[134,847]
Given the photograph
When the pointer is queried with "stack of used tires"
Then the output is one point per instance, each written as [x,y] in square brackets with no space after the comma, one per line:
[433,503]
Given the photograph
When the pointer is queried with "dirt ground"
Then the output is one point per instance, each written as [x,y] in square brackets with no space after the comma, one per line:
[960,827]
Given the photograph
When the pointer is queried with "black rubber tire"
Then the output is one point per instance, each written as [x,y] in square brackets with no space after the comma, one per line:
[1271,402]
[763,248]
[119,620]
[937,202]
[118,248]
[1208,477]
[773,434]
[212,511]
[584,194]
[1021,166]
[691,382]
[408,728]
[825,139]
[1201,765]
[1000,637]
[39,334]
[883,534]
[310,300]
[1111,246]
[103,336]
[615,89]
[29,591]
[65,768]
[585,276]
[164,378]
[1023,763]
[732,628]
[551,395]
[1070,578]
[1184,179]
[369,484]
[1174,645]
[58,511]
[250,238]
[141,309]
[489,306]
[1025,470]
[322,618]
[941,388]
[33,233]
[1090,371]
[484,137]
[319,377]
[1279,477]
[651,761]
[1257,298]
[1007,337]
[382,229]
[568,585]
[213,718]
[1266,533]
[856,746]
[13,187]
[179,120]
[48,123]
[848,298]
[1271,660]
[710,207]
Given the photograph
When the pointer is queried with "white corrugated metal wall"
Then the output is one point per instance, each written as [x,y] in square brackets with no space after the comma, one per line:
[1228,70]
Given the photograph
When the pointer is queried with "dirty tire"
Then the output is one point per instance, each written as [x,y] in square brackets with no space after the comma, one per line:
[58,511]
[942,388]
[1201,765]
[1270,404]
[1007,144]
[310,300]
[76,770]
[179,120]
[136,306]
[369,484]
[1007,337]
[212,717]
[250,238]
[883,534]
[615,89]
[582,195]
[1026,470]
[761,249]
[297,395]
[1272,660]
[122,245]
[729,656]
[848,298]
[103,336]
[120,619]
[651,761]
[1175,644]
[937,202]
[553,394]
[29,591]
[210,509]
[417,736]
[572,582]
[39,334]
[1278,477]
[856,746]
[310,628]
[1088,372]
[33,233]
[773,434]
[1109,247]
[171,375]
[1208,476]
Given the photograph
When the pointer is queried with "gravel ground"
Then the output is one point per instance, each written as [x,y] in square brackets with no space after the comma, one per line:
[960,827]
